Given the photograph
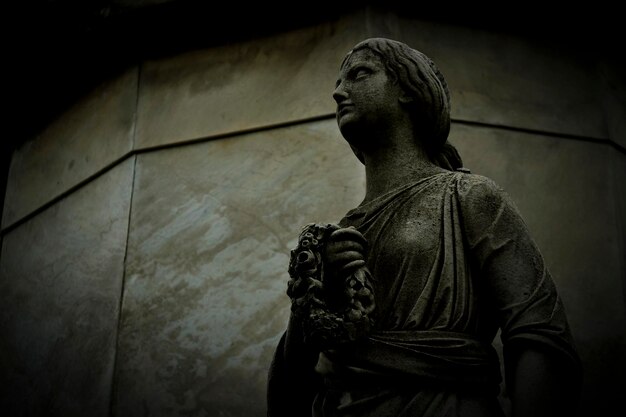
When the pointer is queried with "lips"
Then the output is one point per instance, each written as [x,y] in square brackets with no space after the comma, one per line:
[343,108]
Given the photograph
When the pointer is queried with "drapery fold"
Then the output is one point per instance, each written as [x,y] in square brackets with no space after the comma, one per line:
[452,262]
[418,357]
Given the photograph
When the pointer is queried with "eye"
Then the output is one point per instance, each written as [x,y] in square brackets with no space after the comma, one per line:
[361,72]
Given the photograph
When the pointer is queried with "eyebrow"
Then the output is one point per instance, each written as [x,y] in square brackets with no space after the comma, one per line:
[357,65]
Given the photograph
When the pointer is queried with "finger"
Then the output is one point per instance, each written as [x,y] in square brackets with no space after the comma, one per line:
[345,257]
[348,233]
[356,264]
[344,246]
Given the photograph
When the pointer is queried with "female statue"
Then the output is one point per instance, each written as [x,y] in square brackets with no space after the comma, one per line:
[449,262]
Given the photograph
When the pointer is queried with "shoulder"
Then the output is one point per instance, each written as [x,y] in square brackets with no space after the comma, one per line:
[483,202]
[477,189]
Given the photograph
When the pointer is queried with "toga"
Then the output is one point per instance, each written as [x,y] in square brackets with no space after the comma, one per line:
[452,262]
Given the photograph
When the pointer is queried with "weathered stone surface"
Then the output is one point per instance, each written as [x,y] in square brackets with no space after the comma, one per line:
[211,230]
[282,78]
[92,134]
[494,78]
[506,80]
[618,183]
[564,191]
[612,90]
[60,287]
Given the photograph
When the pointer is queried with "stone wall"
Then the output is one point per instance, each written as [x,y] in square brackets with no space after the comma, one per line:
[146,232]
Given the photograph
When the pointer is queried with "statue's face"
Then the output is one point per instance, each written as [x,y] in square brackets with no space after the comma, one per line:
[367,99]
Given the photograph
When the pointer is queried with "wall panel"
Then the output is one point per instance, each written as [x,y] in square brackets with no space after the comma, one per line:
[60,287]
[212,227]
[89,136]
[507,80]
[287,77]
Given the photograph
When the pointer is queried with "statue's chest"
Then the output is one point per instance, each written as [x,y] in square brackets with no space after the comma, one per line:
[409,237]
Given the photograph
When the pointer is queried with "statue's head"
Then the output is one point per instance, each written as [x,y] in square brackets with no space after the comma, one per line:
[423,89]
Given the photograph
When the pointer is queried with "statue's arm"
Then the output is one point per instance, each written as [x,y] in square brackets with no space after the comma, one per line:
[292,381]
[541,383]
[542,368]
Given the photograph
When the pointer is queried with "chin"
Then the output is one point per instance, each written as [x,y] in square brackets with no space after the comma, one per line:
[349,130]
[349,134]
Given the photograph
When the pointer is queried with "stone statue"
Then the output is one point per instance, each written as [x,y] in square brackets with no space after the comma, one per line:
[394,309]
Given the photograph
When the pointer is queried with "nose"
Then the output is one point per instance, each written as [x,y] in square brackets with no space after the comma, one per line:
[340,94]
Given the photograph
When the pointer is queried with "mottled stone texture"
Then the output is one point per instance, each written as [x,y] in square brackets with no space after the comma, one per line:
[494,78]
[565,192]
[508,80]
[92,134]
[60,287]
[267,81]
[211,230]
[612,90]
[618,183]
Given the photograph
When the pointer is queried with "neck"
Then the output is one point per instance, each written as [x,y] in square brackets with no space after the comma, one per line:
[399,162]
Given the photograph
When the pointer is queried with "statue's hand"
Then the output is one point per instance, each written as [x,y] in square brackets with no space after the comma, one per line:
[345,251]
[331,291]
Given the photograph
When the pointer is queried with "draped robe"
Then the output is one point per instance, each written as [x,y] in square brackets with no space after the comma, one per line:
[452,262]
